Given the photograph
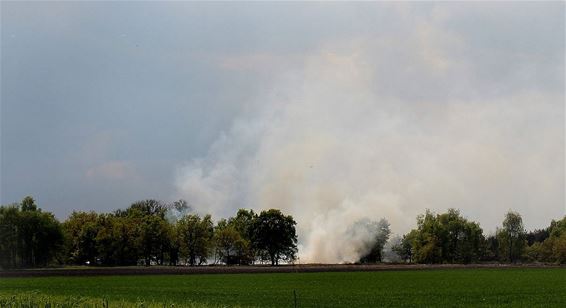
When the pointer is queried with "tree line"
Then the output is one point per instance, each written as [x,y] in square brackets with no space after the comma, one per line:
[148,232]
[152,232]
[450,238]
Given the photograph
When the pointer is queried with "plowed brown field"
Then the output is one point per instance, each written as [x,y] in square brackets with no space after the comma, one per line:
[218,269]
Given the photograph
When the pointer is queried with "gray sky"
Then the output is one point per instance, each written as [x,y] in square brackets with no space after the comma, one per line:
[106,103]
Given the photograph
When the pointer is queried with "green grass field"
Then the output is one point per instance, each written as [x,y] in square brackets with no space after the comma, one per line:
[453,287]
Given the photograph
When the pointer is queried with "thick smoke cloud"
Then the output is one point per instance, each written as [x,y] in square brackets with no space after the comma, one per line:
[350,136]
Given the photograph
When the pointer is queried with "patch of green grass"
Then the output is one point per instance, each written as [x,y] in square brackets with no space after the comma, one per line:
[36,300]
[453,287]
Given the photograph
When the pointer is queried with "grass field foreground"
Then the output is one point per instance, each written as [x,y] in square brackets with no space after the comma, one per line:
[454,287]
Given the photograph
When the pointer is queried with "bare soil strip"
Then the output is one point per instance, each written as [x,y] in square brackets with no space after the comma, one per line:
[219,269]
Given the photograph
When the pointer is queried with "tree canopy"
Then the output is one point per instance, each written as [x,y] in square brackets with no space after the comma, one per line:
[28,236]
[152,232]
[512,236]
[442,238]
[274,235]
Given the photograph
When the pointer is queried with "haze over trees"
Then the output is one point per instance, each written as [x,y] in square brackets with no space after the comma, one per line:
[152,232]
[380,233]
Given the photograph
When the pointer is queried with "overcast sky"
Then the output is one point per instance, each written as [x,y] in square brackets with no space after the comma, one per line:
[106,103]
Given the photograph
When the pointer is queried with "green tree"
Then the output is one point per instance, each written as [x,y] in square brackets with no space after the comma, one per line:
[427,242]
[81,230]
[511,237]
[28,204]
[538,235]
[107,241]
[154,238]
[196,235]
[148,230]
[230,246]
[119,240]
[404,249]
[491,248]
[558,240]
[274,234]
[461,239]
[9,238]
[243,223]
[149,207]
[40,235]
[559,249]
[174,244]
[30,237]
[553,248]
[446,238]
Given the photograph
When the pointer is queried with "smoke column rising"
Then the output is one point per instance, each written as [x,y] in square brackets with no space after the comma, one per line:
[328,148]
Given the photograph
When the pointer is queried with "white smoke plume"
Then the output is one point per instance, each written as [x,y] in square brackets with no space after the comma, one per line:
[177,210]
[343,140]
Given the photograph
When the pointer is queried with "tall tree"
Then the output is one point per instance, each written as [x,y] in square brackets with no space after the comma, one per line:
[149,207]
[30,237]
[511,237]
[154,238]
[446,237]
[553,248]
[404,249]
[274,233]
[229,243]
[28,204]
[9,238]
[81,230]
[243,223]
[557,240]
[196,238]
[427,241]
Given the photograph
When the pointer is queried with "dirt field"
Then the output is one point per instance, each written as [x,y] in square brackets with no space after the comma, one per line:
[184,270]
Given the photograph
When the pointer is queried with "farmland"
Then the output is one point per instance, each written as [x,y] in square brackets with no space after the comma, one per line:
[439,287]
